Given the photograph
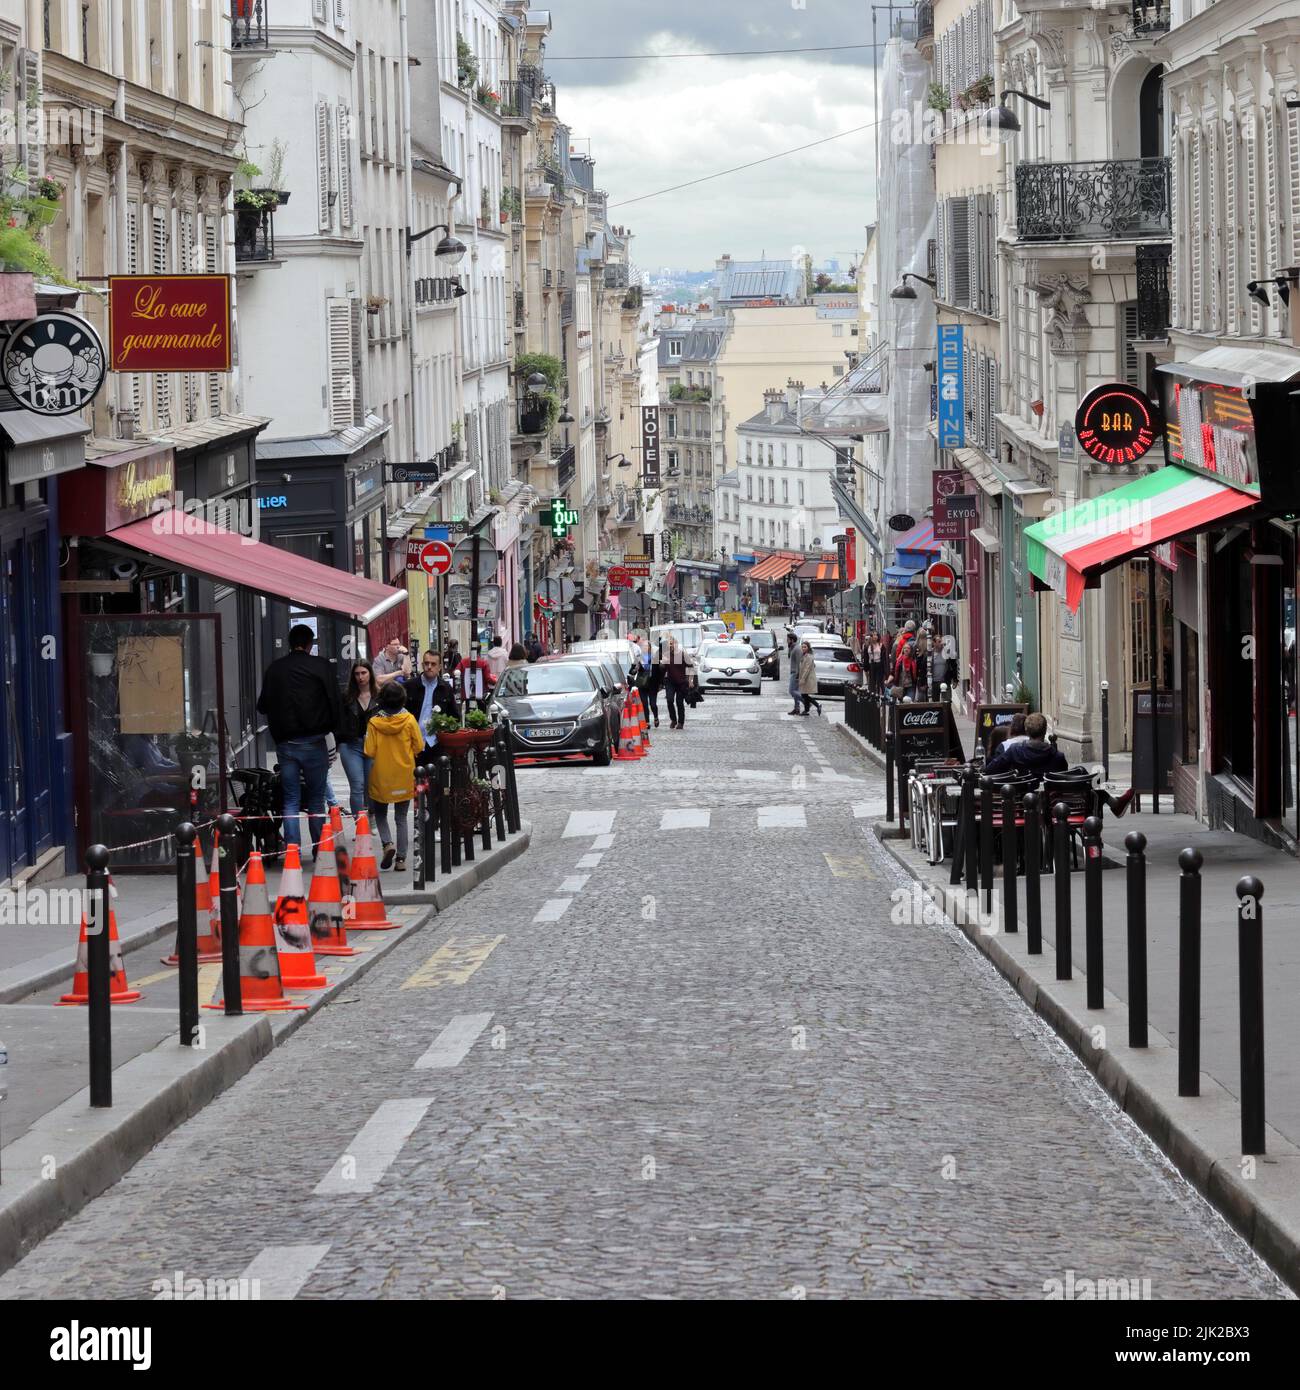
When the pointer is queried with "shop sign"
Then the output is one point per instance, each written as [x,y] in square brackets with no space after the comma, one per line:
[422,473]
[54,364]
[941,607]
[650,446]
[169,323]
[901,522]
[619,578]
[952,390]
[268,504]
[559,519]
[1116,424]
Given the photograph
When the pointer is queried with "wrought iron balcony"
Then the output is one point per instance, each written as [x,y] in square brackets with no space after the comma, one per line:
[568,467]
[248,24]
[1150,19]
[1093,200]
[519,309]
[616,277]
[690,516]
[633,299]
[254,235]
[1153,291]
[517,97]
[566,307]
[690,395]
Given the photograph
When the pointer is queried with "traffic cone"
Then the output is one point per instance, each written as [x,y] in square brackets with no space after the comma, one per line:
[329,935]
[629,736]
[119,992]
[293,928]
[342,853]
[368,910]
[209,940]
[259,965]
[642,723]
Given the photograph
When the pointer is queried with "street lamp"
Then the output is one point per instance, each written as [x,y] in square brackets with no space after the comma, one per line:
[1004,120]
[450,248]
[905,291]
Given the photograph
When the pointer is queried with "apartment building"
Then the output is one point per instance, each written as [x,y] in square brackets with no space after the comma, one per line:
[691,422]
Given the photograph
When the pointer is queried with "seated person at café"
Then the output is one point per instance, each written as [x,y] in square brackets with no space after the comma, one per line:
[1031,756]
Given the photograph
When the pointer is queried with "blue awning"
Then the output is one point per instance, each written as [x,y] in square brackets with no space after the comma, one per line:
[899,577]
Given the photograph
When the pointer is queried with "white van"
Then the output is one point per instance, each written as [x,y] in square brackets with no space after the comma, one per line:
[689,635]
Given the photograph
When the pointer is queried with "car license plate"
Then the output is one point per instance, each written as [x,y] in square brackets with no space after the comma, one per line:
[545,731]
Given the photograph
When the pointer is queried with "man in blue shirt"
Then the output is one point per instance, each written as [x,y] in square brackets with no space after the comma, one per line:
[426,695]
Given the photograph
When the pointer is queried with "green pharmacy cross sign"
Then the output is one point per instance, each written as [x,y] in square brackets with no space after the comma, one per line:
[560,519]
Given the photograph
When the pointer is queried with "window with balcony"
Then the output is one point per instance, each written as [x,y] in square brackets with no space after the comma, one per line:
[670,423]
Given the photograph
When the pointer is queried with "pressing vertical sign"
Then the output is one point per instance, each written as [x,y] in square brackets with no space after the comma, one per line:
[650,446]
[952,392]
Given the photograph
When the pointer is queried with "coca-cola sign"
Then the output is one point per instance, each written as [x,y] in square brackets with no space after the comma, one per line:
[921,719]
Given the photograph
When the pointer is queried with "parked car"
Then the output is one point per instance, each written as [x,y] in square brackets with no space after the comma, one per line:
[625,652]
[837,667]
[606,668]
[553,708]
[728,664]
[690,635]
[763,645]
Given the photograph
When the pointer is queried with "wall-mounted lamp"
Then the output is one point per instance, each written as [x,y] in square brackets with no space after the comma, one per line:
[1004,120]
[449,247]
[905,291]
[1257,289]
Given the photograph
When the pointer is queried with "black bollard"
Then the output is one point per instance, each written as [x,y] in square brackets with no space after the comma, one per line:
[986,844]
[460,776]
[889,761]
[1061,880]
[448,850]
[1092,939]
[227,845]
[506,762]
[965,807]
[187,933]
[485,824]
[1105,731]
[420,847]
[1250,987]
[1189,973]
[972,840]
[99,971]
[497,776]
[1009,906]
[1033,880]
[1136,842]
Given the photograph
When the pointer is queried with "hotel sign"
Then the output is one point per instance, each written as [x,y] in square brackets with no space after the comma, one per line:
[650,446]
[169,323]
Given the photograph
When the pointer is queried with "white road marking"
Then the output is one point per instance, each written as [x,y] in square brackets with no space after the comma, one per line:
[685,818]
[741,717]
[552,909]
[590,861]
[575,883]
[377,1144]
[448,1049]
[746,774]
[282,1270]
[680,774]
[583,823]
[782,818]
[602,842]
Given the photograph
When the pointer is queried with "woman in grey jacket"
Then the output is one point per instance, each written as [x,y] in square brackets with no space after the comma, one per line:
[792,681]
[808,680]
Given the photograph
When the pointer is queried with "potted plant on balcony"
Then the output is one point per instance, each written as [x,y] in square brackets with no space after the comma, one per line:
[44,203]
[376,302]
[937,98]
[466,63]
[979,93]
[510,205]
[485,96]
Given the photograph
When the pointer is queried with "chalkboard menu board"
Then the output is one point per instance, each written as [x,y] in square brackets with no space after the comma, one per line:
[925,731]
[990,717]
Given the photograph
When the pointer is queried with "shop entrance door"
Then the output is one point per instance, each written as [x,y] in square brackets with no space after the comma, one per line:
[151,698]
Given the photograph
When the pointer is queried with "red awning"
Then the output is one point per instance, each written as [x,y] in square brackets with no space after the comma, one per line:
[823,571]
[773,567]
[190,543]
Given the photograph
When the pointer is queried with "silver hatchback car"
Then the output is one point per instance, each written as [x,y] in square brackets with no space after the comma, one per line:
[837,667]
[728,665]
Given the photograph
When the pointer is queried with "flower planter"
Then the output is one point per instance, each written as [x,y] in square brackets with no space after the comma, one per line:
[532,422]
[42,212]
[464,739]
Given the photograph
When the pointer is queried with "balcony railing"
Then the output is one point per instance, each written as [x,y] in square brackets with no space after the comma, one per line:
[254,235]
[690,395]
[690,516]
[633,298]
[568,467]
[248,24]
[519,308]
[1150,19]
[616,277]
[1153,291]
[1093,200]
[566,307]
[517,99]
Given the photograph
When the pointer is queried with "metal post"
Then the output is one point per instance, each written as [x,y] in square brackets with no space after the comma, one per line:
[1061,879]
[1154,639]
[1189,973]
[187,933]
[1092,939]
[889,761]
[1009,906]
[479,761]
[965,803]
[1105,731]
[1250,987]
[475,645]
[99,977]
[459,787]
[507,757]
[420,845]
[1136,842]
[447,848]
[1033,881]
[231,989]
[986,843]
[972,841]
[496,775]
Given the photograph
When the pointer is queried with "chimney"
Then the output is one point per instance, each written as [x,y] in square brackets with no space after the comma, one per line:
[793,390]
[774,405]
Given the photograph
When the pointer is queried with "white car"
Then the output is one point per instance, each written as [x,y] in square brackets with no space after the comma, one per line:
[728,665]
[628,654]
[837,666]
[714,627]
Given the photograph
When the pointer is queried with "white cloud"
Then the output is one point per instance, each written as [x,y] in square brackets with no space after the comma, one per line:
[673,121]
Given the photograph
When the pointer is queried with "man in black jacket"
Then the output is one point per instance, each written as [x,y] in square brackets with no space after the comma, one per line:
[428,694]
[301,701]
[1031,756]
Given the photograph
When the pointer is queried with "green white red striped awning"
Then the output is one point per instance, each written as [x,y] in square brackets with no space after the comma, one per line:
[1063,549]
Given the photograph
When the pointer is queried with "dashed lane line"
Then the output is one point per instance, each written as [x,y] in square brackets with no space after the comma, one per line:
[453,962]
[450,1047]
[583,823]
[782,818]
[685,818]
[575,883]
[282,1270]
[590,861]
[377,1144]
[552,909]
[602,842]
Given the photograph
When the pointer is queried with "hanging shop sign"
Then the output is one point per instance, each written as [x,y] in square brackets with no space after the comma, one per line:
[619,578]
[54,364]
[901,522]
[951,387]
[422,473]
[650,446]
[1116,424]
[559,519]
[169,323]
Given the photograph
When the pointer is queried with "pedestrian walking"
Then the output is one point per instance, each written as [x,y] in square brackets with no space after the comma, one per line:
[533,647]
[792,656]
[393,742]
[392,663]
[428,694]
[300,698]
[678,668]
[940,665]
[360,704]
[518,656]
[905,670]
[655,682]
[873,658]
[474,680]
[808,680]
[496,658]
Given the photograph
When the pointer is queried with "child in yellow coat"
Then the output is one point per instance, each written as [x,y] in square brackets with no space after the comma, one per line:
[393,740]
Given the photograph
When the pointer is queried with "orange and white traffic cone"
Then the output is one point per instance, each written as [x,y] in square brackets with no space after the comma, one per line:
[628,736]
[293,929]
[259,965]
[342,852]
[209,939]
[119,991]
[329,933]
[368,910]
[643,728]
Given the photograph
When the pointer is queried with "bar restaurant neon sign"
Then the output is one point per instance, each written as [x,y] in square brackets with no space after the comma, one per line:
[1116,424]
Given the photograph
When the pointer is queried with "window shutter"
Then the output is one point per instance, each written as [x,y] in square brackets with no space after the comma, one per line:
[133,268]
[1232,230]
[340,13]
[1250,269]
[968,392]
[358,340]
[994,219]
[318,10]
[339,343]
[212,264]
[30,96]
[345,165]
[1272,208]
[981,401]
[976,229]
[995,398]
[941,259]
[1128,328]
[960,231]
[1293,182]
[1213,230]
[161,381]
[324,211]
[1195,250]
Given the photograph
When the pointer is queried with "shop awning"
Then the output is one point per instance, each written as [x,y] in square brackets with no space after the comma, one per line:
[900,576]
[919,539]
[773,567]
[192,544]
[1064,549]
[821,571]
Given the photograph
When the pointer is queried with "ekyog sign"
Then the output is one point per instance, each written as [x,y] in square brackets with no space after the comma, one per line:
[169,323]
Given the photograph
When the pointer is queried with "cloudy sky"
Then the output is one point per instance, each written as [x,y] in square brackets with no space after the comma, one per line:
[654,123]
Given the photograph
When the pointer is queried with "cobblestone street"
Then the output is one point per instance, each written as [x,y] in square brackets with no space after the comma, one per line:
[679,1049]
